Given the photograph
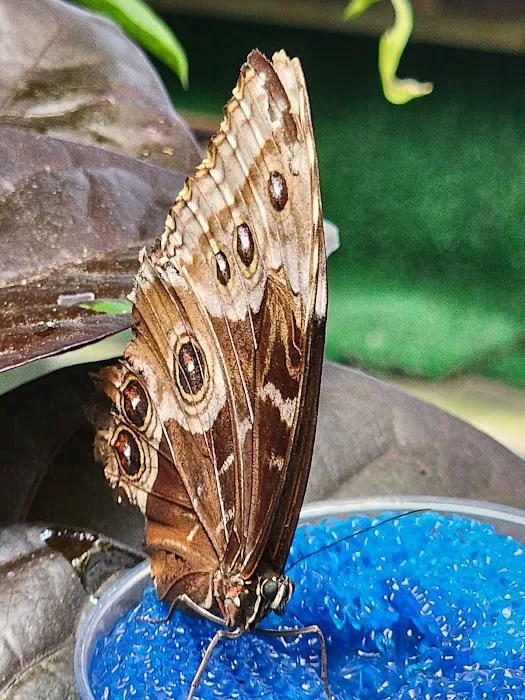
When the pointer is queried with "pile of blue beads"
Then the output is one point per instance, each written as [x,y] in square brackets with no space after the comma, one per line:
[422,607]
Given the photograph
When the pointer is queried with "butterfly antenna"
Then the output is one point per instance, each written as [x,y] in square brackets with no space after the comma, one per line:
[355,534]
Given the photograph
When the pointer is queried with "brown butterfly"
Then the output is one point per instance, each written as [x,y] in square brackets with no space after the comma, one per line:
[214,405]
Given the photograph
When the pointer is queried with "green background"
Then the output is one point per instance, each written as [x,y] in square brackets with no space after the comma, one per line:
[429,197]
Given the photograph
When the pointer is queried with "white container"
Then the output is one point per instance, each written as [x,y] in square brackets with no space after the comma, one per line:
[127,591]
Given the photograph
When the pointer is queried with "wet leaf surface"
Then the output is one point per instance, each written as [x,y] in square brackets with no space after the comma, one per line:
[92,153]
[73,219]
[73,74]
[63,202]
[34,324]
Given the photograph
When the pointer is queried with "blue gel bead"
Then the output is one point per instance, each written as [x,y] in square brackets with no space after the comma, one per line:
[425,607]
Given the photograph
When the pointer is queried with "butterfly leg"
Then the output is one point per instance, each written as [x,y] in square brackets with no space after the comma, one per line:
[228,634]
[310,629]
[159,620]
[186,602]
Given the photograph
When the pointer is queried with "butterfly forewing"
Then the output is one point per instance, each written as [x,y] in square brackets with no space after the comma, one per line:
[293,313]
[307,210]
[214,439]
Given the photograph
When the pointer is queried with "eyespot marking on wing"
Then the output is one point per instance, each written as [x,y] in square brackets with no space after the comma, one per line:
[223,268]
[278,190]
[129,454]
[246,250]
[135,404]
[190,369]
[245,245]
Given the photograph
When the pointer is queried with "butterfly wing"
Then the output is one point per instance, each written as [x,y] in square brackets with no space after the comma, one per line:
[315,299]
[215,403]
[292,321]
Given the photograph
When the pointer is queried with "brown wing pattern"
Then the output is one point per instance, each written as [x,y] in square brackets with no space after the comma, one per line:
[289,359]
[284,521]
[215,402]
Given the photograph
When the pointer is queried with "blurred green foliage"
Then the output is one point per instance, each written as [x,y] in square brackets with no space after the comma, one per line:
[138,19]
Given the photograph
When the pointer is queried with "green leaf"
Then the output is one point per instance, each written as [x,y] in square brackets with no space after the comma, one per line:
[138,19]
[109,306]
[391,46]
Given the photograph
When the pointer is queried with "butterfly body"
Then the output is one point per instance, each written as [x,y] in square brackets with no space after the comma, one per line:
[243,604]
[214,406]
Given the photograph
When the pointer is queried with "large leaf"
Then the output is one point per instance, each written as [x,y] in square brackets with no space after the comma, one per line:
[374,439]
[75,210]
[47,468]
[73,74]
[73,218]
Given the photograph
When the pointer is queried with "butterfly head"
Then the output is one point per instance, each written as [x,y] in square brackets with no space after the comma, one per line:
[245,603]
[274,593]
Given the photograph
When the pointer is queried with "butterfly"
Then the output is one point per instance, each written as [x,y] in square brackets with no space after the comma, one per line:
[214,404]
